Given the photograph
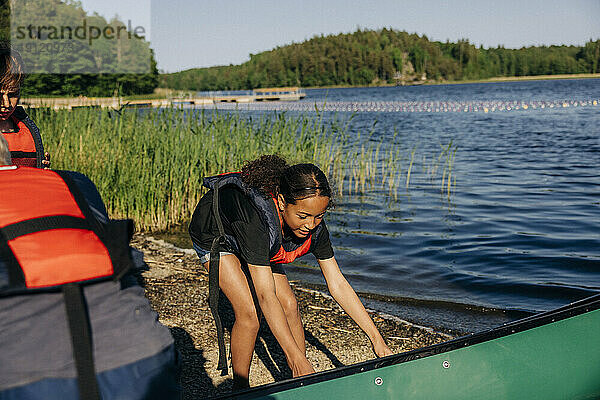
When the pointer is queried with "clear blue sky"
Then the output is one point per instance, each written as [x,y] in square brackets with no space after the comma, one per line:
[200,33]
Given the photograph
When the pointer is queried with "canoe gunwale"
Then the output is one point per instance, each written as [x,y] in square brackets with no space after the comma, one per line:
[548,317]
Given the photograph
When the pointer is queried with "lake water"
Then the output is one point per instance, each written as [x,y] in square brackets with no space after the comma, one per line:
[520,232]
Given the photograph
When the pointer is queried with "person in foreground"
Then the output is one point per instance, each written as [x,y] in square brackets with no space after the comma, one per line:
[74,322]
[245,227]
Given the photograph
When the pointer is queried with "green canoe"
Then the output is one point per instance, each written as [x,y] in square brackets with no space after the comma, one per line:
[552,355]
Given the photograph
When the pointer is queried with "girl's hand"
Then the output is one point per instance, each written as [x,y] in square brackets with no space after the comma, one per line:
[346,297]
[381,349]
[46,161]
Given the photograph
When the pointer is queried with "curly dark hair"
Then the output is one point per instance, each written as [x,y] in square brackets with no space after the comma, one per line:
[264,172]
[272,175]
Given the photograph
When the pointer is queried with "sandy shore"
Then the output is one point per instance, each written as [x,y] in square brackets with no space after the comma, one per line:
[177,287]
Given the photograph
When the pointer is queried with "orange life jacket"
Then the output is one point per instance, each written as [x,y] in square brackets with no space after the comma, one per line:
[50,240]
[49,235]
[25,144]
[286,257]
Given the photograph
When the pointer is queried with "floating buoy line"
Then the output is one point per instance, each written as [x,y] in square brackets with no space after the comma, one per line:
[409,106]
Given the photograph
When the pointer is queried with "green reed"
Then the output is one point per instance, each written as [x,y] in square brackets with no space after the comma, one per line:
[444,162]
[148,164]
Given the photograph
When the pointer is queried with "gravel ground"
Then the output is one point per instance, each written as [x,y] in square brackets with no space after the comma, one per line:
[177,286]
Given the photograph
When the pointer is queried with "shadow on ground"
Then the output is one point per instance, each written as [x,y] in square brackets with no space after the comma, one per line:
[268,349]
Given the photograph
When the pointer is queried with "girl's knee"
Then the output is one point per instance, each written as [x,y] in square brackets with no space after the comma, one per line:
[290,307]
[248,319]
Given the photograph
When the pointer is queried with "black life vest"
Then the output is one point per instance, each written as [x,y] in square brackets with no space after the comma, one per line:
[270,215]
[25,144]
[50,240]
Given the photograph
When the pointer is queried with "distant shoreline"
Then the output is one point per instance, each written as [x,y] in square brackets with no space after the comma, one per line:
[432,83]
[161,91]
[489,80]
[527,78]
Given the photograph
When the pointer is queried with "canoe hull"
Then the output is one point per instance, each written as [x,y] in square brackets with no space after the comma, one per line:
[555,355]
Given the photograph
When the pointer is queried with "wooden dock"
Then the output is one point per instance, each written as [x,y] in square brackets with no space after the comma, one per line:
[202,99]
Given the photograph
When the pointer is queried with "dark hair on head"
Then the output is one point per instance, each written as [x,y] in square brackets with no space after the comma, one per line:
[271,175]
[264,172]
[301,181]
[12,68]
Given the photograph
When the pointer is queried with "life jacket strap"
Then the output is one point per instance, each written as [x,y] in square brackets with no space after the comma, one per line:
[23,154]
[16,277]
[213,281]
[81,339]
[29,226]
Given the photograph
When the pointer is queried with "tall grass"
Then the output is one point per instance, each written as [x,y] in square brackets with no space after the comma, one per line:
[148,164]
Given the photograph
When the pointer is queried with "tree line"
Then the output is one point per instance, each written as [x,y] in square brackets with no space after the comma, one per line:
[68,52]
[386,56]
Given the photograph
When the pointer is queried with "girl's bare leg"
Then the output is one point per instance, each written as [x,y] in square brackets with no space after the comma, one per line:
[234,285]
[290,307]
